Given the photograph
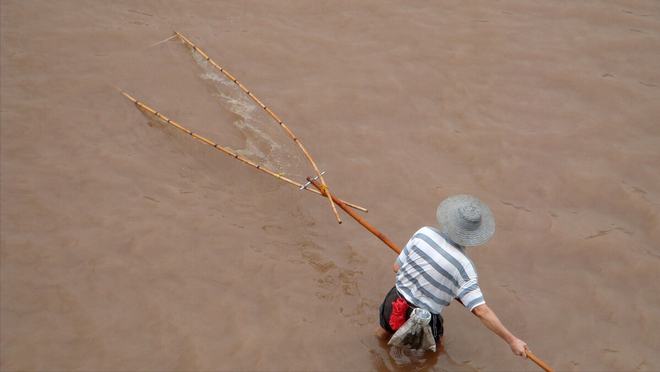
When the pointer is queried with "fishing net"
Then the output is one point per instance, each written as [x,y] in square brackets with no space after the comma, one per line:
[261,139]
[415,333]
[190,90]
[250,129]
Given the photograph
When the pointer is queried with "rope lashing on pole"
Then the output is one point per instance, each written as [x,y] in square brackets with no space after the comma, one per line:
[165,119]
[270,113]
[397,249]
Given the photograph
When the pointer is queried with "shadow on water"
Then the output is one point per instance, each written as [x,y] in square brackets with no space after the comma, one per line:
[389,358]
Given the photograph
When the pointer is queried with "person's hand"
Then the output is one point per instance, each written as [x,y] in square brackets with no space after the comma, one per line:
[519,347]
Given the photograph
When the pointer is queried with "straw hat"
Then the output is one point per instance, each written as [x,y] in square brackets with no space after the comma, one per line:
[466,220]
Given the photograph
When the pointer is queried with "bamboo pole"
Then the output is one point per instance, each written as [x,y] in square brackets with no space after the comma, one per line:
[538,361]
[225,150]
[358,218]
[270,112]
[397,249]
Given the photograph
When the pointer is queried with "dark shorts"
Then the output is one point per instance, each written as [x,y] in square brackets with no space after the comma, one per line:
[386,311]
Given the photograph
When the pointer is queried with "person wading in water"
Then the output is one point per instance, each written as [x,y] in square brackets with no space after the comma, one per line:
[433,269]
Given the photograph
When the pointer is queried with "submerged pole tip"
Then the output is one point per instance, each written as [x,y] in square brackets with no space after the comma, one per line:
[127,95]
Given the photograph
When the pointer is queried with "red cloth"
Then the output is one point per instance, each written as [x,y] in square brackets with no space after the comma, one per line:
[398,315]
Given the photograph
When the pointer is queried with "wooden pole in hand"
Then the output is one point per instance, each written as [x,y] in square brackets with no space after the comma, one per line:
[538,361]
[144,107]
[397,249]
[270,112]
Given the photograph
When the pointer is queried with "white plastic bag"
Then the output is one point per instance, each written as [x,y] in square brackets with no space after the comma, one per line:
[415,332]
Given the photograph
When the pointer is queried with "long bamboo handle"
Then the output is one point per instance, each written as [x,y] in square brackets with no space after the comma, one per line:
[538,361]
[225,150]
[270,112]
[358,218]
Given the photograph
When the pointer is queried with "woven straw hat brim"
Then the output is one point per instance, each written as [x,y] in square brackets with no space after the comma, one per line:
[449,220]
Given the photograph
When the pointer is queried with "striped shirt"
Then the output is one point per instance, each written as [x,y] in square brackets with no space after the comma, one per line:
[434,270]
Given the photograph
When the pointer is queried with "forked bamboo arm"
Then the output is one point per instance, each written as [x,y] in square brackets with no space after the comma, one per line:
[225,150]
[270,112]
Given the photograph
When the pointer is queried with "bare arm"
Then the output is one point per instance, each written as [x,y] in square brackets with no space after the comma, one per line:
[395,267]
[492,322]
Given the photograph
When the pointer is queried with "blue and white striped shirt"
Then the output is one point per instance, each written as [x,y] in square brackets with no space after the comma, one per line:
[433,271]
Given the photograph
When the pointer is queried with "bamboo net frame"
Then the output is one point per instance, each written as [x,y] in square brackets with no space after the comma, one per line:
[226,150]
[270,112]
[322,188]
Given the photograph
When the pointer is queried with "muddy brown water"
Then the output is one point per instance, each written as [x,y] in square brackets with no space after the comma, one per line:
[127,246]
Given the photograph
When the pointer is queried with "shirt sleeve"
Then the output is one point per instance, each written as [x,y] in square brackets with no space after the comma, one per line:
[403,256]
[470,294]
